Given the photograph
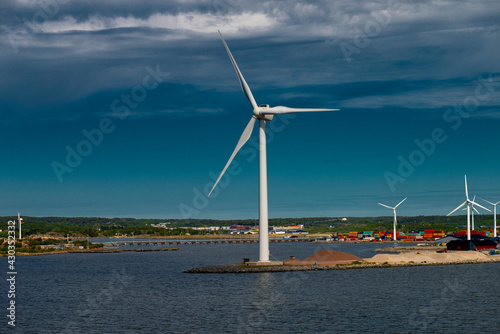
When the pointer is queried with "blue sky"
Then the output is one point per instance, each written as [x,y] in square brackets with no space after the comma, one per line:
[130,109]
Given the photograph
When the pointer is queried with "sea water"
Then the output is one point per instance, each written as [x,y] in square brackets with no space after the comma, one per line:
[147,292]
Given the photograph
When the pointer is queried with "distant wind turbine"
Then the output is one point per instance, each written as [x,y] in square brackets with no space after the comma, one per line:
[395,218]
[264,114]
[20,221]
[469,204]
[494,216]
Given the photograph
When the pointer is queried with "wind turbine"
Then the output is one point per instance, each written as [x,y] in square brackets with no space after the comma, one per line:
[494,216]
[469,204]
[395,219]
[263,113]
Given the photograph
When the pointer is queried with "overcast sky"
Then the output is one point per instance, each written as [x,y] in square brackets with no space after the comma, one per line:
[132,108]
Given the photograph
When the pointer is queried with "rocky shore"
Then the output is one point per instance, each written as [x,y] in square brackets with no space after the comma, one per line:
[416,259]
[95,250]
[237,268]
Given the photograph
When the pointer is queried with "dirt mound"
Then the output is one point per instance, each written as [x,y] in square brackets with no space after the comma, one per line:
[326,258]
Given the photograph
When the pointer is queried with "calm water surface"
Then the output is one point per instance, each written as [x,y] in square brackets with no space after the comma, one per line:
[148,292]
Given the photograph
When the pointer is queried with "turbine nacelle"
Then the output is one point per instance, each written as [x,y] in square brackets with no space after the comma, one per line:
[262,112]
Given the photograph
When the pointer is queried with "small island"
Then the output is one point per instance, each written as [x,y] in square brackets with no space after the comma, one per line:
[335,260]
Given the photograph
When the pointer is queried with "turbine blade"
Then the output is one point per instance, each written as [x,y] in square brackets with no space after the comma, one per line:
[482,207]
[280,110]
[386,206]
[400,202]
[458,208]
[488,201]
[243,139]
[466,191]
[473,208]
[243,83]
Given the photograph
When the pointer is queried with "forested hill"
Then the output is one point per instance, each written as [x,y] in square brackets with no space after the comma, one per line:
[95,226]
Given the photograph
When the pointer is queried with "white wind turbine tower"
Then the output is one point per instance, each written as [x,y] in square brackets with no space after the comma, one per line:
[19,220]
[469,204]
[263,113]
[473,209]
[395,218]
[494,216]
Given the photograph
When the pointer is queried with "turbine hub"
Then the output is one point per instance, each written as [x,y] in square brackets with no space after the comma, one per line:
[258,113]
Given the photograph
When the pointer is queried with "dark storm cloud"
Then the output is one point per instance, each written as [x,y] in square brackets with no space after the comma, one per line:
[70,51]
[84,9]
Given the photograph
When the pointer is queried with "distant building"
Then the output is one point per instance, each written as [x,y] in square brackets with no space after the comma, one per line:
[446,239]
[290,227]
[466,245]
[207,228]
[239,229]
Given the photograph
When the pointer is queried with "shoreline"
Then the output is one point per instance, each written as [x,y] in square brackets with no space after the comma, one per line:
[309,237]
[241,268]
[96,250]
[409,249]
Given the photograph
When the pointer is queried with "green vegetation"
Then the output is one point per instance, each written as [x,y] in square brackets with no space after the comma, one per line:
[405,224]
[39,245]
[100,227]
[81,227]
